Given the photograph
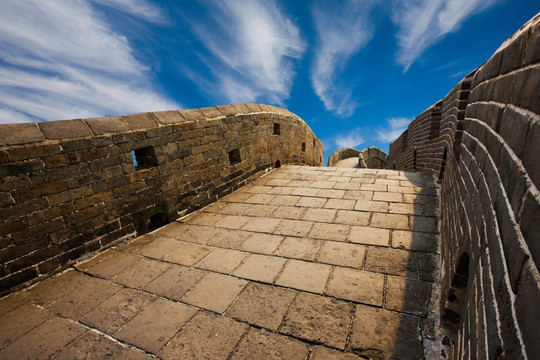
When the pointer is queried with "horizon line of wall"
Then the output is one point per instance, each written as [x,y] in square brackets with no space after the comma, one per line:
[73,187]
[482,143]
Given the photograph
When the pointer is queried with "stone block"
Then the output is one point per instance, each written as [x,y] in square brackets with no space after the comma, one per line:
[141,121]
[222,260]
[299,248]
[369,236]
[66,129]
[391,261]
[175,281]
[90,343]
[356,285]
[260,344]
[342,254]
[108,125]
[305,276]
[215,292]
[171,117]
[192,115]
[408,295]
[205,336]
[15,134]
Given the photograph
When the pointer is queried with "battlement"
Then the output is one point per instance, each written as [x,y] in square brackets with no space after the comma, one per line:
[73,187]
[482,141]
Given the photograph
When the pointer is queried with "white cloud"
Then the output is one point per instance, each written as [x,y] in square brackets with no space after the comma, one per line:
[422,23]
[252,46]
[139,8]
[396,126]
[352,139]
[343,29]
[60,60]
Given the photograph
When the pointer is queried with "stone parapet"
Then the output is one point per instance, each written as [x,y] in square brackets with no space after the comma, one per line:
[73,187]
[481,141]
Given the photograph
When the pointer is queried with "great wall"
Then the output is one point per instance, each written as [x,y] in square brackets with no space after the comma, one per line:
[203,220]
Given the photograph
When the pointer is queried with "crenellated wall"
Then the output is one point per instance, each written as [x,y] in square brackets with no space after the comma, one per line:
[483,141]
[72,187]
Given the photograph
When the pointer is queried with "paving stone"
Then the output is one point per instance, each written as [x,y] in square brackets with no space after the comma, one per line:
[38,344]
[324,353]
[222,260]
[117,310]
[262,243]
[293,228]
[388,196]
[198,234]
[50,290]
[391,261]
[175,282]
[279,190]
[188,254]
[284,200]
[19,321]
[342,254]
[11,302]
[368,205]
[205,336]
[340,204]
[233,221]
[319,319]
[369,236]
[141,273]
[215,292]
[262,305]
[204,218]
[262,224]
[114,263]
[406,209]
[331,193]
[260,344]
[319,215]
[154,326]
[227,238]
[408,295]
[390,221]
[288,212]
[260,199]
[336,232]
[311,202]
[374,187]
[237,197]
[248,209]
[305,191]
[305,276]
[358,195]
[159,248]
[412,240]
[299,248]
[134,354]
[171,230]
[425,224]
[91,344]
[356,285]
[260,268]
[348,217]
[383,334]
[85,298]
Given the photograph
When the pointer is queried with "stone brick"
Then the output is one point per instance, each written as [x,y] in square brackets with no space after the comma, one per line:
[141,121]
[382,334]
[356,285]
[319,319]
[215,292]
[222,260]
[299,248]
[305,276]
[155,325]
[90,343]
[205,336]
[14,134]
[65,129]
[369,236]
[188,254]
[262,305]
[391,261]
[260,268]
[260,344]
[108,125]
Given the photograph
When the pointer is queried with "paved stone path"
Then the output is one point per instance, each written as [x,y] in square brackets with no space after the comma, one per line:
[305,263]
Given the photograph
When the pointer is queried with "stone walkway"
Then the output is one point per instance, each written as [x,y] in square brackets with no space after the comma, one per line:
[305,263]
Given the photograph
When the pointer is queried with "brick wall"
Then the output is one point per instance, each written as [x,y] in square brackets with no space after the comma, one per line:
[340,154]
[71,187]
[482,141]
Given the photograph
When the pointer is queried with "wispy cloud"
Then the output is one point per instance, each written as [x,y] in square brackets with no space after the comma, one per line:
[343,28]
[60,59]
[422,23]
[351,139]
[395,127]
[251,48]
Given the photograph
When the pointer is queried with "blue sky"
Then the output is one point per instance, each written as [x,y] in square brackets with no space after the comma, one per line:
[356,71]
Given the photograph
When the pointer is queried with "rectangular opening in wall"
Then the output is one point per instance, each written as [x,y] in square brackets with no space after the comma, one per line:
[144,157]
[303,147]
[234,156]
[313,142]
[156,221]
[277,130]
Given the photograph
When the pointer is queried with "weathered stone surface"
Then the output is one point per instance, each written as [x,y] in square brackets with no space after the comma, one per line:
[260,344]
[90,343]
[305,276]
[356,285]
[260,268]
[342,254]
[205,336]
[299,248]
[214,292]
[175,281]
[319,319]
[262,305]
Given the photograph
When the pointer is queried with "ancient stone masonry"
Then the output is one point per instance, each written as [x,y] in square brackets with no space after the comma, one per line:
[371,158]
[482,142]
[72,187]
